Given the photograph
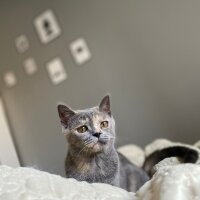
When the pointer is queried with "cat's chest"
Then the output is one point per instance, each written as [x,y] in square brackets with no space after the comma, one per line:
[100,174]
[100,169]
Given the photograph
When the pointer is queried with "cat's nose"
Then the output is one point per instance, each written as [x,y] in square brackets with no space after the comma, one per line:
[96,134]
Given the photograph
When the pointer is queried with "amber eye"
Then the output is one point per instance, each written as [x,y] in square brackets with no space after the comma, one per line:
[82,129]
[104,124]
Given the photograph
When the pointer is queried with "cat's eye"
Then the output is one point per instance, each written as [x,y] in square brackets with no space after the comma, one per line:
[104,124]
[82,129]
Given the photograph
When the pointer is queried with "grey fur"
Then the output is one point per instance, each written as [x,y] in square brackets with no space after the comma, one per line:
[91,155]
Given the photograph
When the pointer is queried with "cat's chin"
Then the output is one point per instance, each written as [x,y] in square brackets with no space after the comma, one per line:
[97,147]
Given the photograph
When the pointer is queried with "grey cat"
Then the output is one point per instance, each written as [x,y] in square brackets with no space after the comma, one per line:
[91,154]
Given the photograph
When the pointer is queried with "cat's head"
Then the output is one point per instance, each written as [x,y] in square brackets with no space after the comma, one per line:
[91,130]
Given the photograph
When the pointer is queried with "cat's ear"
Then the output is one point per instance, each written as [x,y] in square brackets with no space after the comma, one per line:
[105,105]
[65,113]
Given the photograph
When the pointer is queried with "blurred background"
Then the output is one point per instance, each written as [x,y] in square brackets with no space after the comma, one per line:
[146,54]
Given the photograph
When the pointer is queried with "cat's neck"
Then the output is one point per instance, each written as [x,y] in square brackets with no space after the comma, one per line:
[89,156]
[84,162]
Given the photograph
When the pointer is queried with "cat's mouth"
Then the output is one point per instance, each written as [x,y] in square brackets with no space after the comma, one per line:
[102,141]
[97,146]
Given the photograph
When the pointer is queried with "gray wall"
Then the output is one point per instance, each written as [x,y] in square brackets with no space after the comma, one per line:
[145,53]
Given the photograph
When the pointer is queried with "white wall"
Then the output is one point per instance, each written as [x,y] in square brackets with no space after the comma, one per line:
[8,154]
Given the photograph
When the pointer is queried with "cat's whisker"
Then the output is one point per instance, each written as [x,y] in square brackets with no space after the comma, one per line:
[108,137]
[81,150]
[87,141]
[85,145]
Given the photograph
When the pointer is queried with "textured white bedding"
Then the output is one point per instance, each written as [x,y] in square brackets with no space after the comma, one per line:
[30,184]
[174,182]
[177,182]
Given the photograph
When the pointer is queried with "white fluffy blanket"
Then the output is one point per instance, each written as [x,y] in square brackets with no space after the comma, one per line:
[177,182]
[172,181]
[31,184]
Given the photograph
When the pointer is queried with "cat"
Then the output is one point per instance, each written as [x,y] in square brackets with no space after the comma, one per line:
[183,153]
[91,155]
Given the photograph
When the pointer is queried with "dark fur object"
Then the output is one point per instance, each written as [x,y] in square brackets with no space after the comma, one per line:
[91,155]
[184,154]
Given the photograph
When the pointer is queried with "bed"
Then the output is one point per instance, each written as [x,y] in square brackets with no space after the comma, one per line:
[173,180]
